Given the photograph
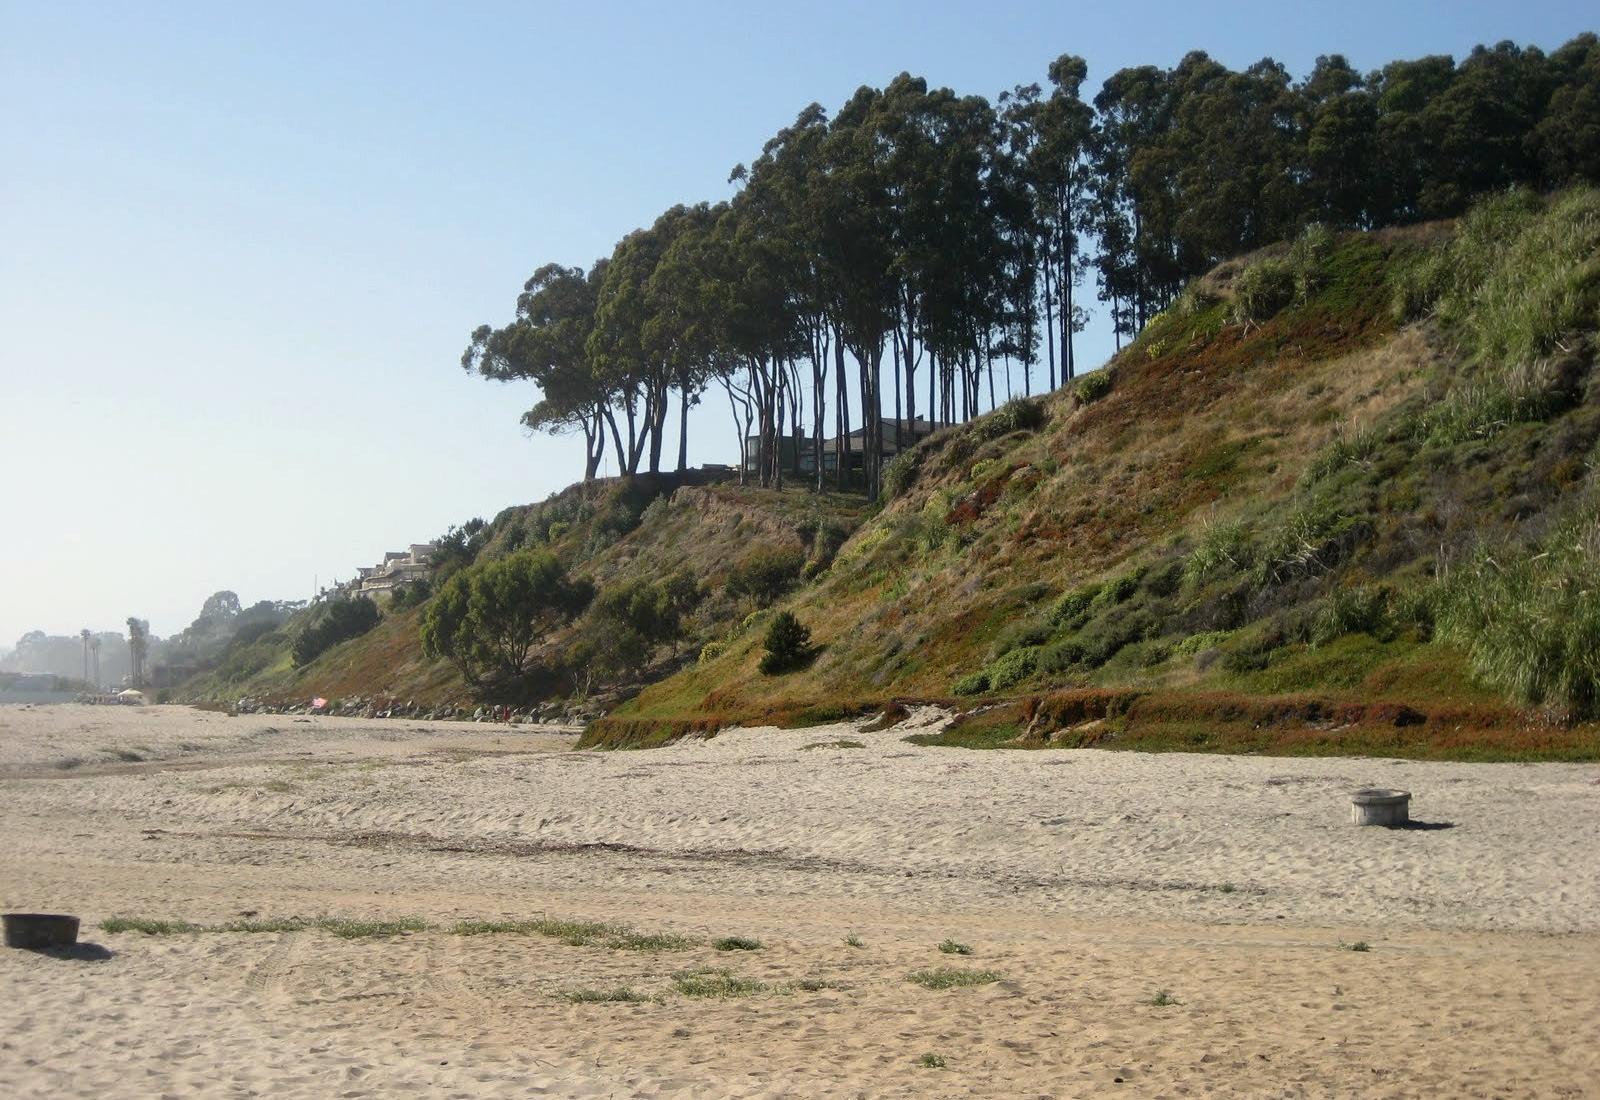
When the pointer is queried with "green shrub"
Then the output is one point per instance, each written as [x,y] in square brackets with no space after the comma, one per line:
[1495,399]
[788,644]
[488,618]
[1542,284]
[1346,448]
[1029,632]
[1305,542]
[765,574]
[1199,643]
[1013,668]
[900,474]
[1519,274]
[1071,607]
[1262,289]
[1110,635]
[711,651]
[932,527]
[975,683]
[1417,284]
[1119,589]
[1529,617]
[1308,261]
[1092,387]
[1360,610]
[338,621]
[1020,414]
[656,511]
[1193,301]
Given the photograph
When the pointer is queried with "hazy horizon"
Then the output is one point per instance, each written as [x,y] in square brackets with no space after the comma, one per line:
[245,249]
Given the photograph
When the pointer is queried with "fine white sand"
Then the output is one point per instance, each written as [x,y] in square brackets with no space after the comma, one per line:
[1088,881]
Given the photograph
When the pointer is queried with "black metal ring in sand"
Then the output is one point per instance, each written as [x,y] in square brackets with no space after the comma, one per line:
[36,931]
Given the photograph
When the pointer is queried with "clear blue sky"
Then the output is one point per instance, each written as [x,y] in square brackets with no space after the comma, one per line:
[241,247]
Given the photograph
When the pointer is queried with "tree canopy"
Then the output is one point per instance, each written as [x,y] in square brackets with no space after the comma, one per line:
[924,244]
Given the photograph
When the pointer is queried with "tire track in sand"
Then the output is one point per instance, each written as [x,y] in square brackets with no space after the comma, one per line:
[267,979]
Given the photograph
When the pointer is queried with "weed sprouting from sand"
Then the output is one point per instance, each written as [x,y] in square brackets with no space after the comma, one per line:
[854,940]
[652,941]
[816,985]
[147,926]
[344,927]
[931,1060]
[714,982]
[840,744]
[287,924]
[491,927]
[1226,888]
[1163,999]
[620,995]
[1359,945]
[347,929]
[575,933]
[949,977]
[952,947]
[736,943]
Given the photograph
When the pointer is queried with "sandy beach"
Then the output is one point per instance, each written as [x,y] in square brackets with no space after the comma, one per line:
[1152,925]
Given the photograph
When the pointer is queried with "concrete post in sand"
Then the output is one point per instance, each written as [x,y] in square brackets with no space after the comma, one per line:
[1375,806]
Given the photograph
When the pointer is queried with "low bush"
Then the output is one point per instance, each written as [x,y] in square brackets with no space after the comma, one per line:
[1073,605]
[765,574]
[900,474]
[1120,589]
[975,683]
[1020,414]
[788,644]
[1529,617]
[1360,610]
[1494,399]
[1092,387]
[340,620]
[1262,289]
[1308,260]
[1013,668]
[1307,541]
[1355,446]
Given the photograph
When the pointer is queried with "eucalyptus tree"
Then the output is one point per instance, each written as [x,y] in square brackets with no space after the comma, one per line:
[1059,169]
[546,343]
[634,370]
[678,330]
[1568,134]
[780,190]
[856,250]
[1338,122]
[1237,145]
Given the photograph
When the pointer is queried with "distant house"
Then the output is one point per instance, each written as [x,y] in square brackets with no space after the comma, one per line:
[397,567]
[800,453]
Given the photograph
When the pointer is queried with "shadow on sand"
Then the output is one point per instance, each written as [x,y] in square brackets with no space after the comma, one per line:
[1422,826]
[78,952]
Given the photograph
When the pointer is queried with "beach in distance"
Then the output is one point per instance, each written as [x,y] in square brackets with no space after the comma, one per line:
[286,906]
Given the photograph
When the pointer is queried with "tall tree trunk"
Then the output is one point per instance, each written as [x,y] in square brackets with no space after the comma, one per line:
[1069,257]
[819,383]
[683,424]
[911,380]
[843,453]
[616,437]
[1049,318]
[658,425]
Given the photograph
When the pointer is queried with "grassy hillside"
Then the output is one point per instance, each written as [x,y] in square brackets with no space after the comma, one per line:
[1339,497]
[614,532]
